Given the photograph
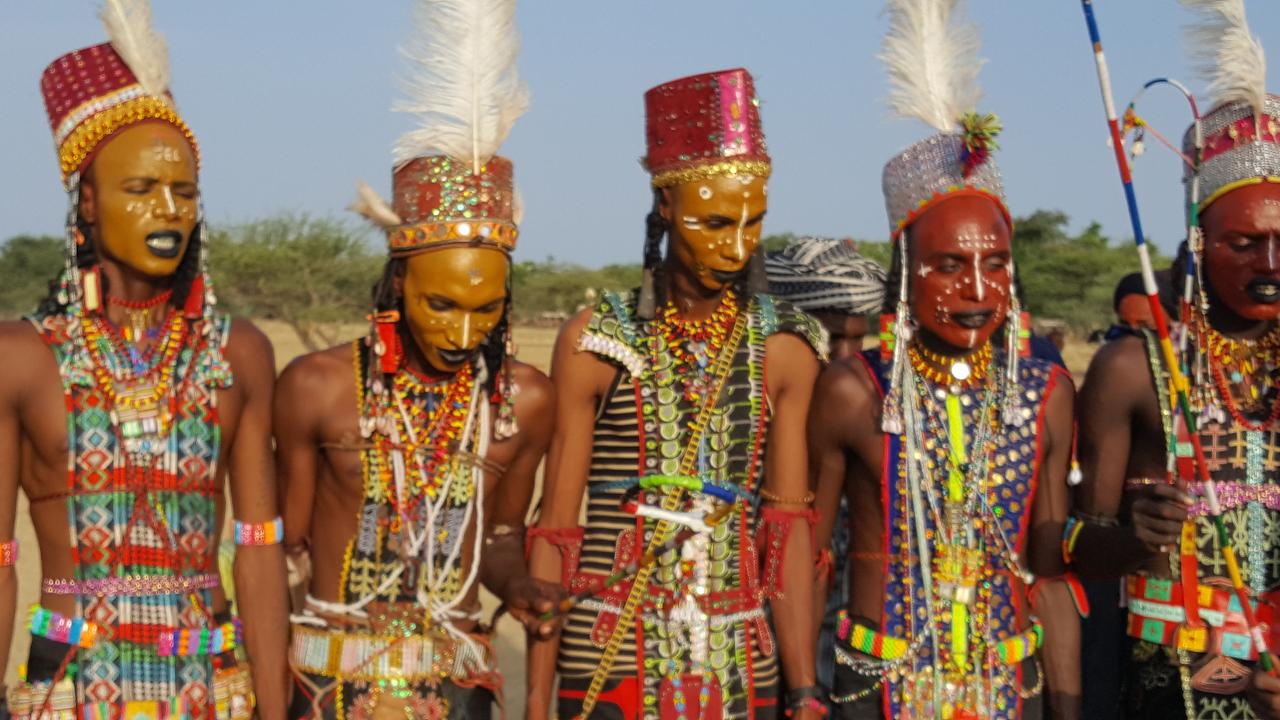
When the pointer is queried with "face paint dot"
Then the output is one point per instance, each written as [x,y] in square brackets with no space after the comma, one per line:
[704,192]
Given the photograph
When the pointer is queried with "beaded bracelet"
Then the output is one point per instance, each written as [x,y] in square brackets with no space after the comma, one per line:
[9,553]
[810,702]
[60,628]
[267,533]
[1070,534]
[784,500]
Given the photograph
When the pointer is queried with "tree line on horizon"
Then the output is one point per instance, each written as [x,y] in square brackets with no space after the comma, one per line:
[317,273]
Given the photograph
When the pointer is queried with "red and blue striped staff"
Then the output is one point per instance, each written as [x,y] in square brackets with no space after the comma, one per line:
[1179,380]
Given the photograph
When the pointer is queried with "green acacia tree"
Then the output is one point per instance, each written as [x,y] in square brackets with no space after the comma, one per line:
[28,264]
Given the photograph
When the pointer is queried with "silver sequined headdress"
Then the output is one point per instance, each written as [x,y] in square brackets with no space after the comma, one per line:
[1242,132]
[931,54]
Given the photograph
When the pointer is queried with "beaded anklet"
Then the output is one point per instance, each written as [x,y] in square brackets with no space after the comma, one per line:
[265,533]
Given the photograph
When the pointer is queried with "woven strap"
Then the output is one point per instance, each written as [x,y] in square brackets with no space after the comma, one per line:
[688,465]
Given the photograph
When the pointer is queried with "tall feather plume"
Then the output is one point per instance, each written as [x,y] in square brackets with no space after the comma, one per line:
[140,45]
[463,84]
[370,205]
[1226,53]
[932,58]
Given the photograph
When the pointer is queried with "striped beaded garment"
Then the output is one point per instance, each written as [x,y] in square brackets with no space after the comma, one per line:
[641,429]
[135,515]
[1244,463]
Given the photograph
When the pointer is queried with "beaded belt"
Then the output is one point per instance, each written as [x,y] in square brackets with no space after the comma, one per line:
[1010,651]
[1156,614]
[369,657]
[131,585]
[170,642]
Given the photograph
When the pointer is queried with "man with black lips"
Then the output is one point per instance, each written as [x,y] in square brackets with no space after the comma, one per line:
[685,399]
[951,451]
[1143,515]
[128,407]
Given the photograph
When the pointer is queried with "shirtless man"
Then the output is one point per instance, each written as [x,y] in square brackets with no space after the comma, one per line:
[408,457]
[127,405]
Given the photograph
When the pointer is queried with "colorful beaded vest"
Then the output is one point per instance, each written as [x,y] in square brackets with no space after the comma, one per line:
[956,517]
[1242,455]
[143,436]
[701,635]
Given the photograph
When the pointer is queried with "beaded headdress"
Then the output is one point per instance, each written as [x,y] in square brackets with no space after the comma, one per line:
[1241,134]
[91,95]
[931,54]
[449,186]
[702,126]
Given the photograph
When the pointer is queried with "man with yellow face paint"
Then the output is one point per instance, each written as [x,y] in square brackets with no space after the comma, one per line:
[129,406]
[408,457]
[680,414]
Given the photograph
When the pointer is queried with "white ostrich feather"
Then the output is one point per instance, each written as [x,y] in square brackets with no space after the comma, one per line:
[463,85]
[932,57]
[140,45]
[1226,53]
[370,204]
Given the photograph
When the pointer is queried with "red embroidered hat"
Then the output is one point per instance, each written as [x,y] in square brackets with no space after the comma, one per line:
[441,200]
[703,126]
[90,95]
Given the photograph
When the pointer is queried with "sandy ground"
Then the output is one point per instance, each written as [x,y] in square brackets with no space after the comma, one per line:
[534,346]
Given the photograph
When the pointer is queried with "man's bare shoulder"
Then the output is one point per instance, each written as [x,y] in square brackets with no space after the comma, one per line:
[536,392]
[248,348]
[26,355]
[1120,365]
[845,385]
[319,372]
[571,330]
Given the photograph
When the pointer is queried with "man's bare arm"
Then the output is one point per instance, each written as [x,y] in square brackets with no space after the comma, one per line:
[297,430]
[564,482]
[1116,387]
[1052,597]
[502,565]
[11,388]
[792,369]
[264,611]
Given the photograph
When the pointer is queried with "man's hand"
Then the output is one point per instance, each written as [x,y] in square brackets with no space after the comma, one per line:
[1158,516]
[1264,692]
[528,599]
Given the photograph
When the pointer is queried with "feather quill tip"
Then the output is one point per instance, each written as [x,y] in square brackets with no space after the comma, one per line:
[370,205]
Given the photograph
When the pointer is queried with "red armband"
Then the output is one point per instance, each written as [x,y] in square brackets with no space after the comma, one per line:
[771,539]
[1074,587]
[567,540]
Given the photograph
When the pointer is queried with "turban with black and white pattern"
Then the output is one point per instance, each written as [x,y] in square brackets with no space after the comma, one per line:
[816,273]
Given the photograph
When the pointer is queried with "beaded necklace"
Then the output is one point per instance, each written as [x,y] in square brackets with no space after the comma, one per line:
[1244,373]
[694,344]
[138,313]
[140,389]
[429,418]
[966,372]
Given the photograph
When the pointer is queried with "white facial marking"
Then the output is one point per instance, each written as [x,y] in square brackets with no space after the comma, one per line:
[705,193]
[742,230]
[973,338]
[691,222]
[466,328]
[924,270]
[977,275]
[170,207]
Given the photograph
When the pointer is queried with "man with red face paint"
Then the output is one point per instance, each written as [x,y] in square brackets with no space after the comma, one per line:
[952,454]
[408,457]
[1143,514]
[128,407]
[680,416]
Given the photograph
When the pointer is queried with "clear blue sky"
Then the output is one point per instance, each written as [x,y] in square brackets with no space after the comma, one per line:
[290,101]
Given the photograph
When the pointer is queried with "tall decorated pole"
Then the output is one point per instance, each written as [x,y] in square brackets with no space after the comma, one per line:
[1176,375]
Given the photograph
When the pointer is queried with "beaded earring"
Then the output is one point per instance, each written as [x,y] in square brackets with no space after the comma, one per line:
[1017,346]
[891,417]
[505,425]
[386,345]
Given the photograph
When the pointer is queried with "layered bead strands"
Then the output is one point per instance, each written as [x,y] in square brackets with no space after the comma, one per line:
[139,389]
[695,344]
[1245,374]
